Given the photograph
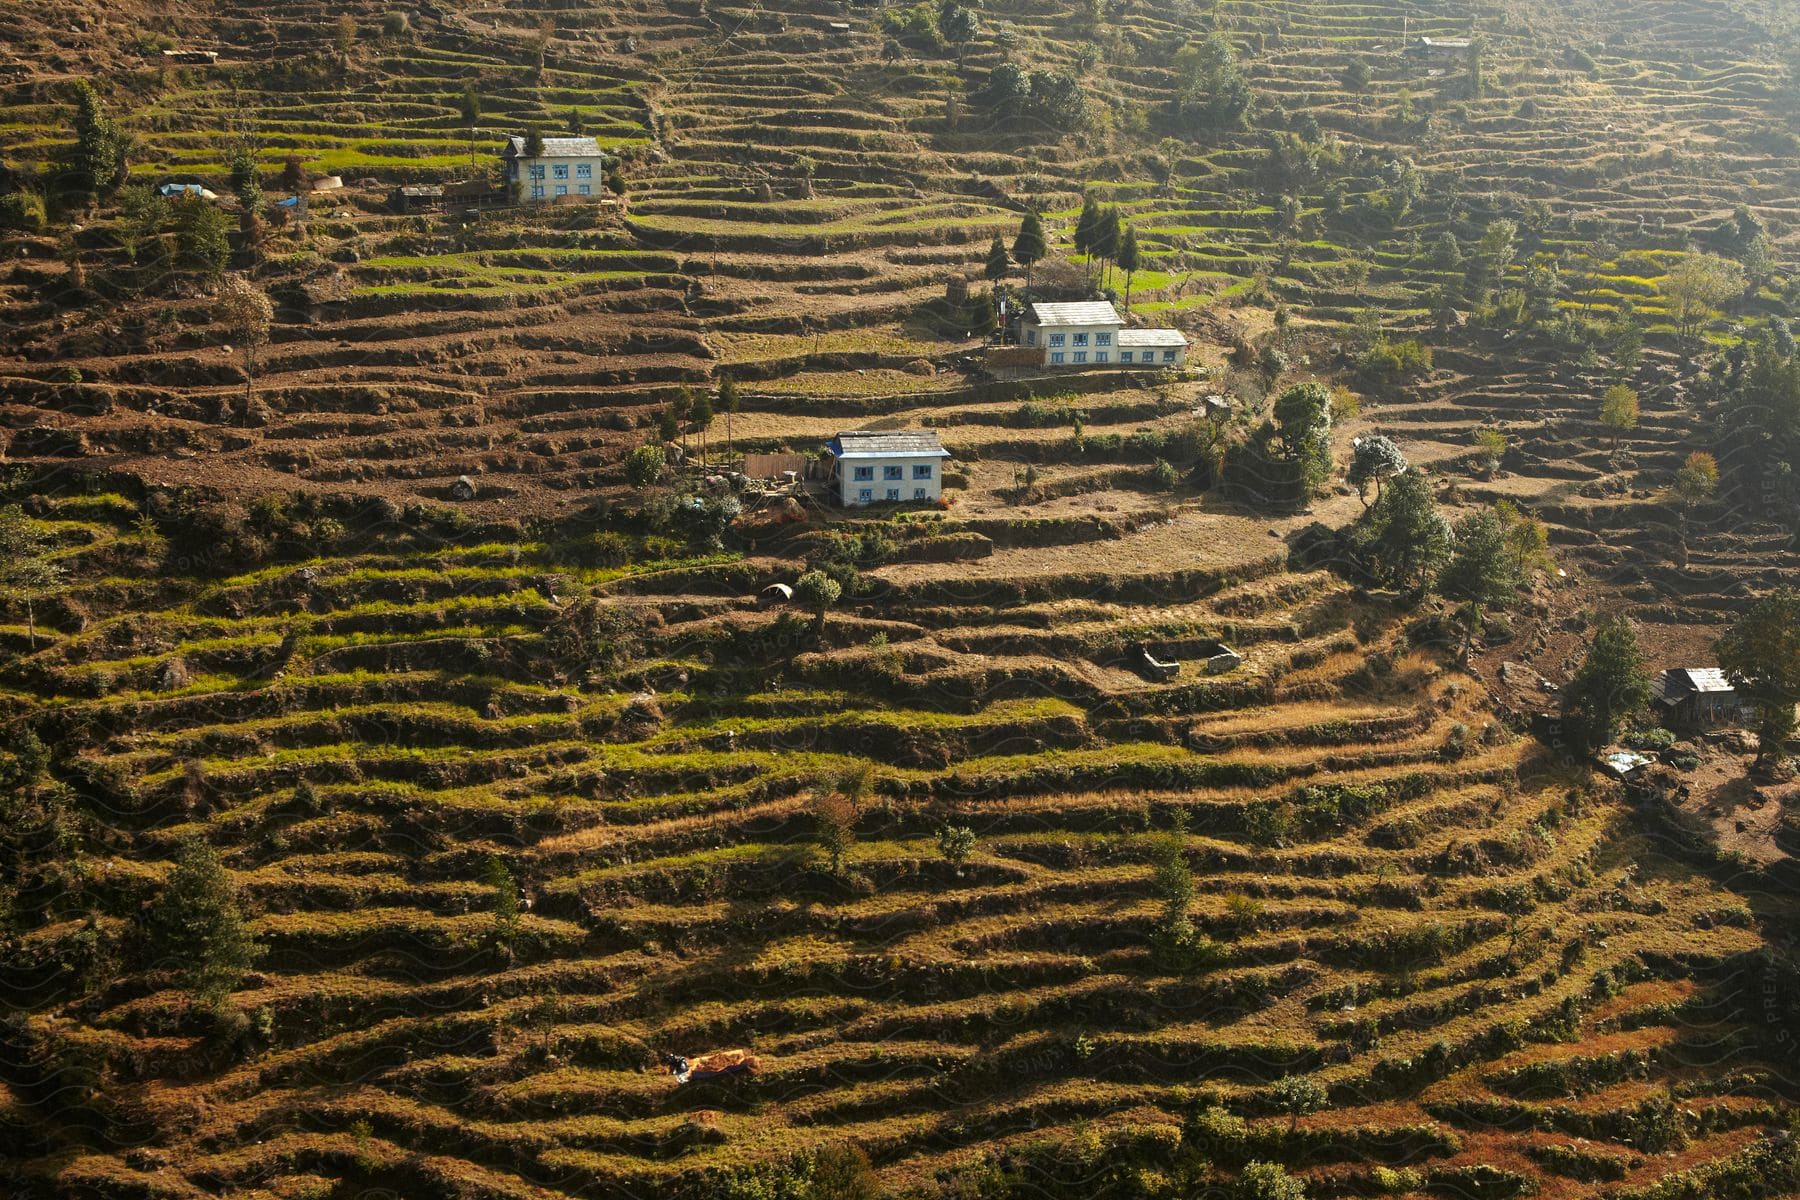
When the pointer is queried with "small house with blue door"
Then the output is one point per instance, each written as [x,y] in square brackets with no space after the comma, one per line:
[902,467]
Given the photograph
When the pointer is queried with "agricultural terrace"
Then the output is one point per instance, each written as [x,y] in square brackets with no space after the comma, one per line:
[490,794]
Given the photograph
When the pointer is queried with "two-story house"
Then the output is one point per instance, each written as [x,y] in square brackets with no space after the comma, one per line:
[903,466]
[1085,333]
[569,166]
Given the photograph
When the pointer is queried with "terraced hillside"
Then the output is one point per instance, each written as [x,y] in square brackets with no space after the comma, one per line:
[516,792]
[1331,863]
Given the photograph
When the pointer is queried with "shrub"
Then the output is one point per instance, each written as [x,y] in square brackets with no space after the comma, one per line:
[1390,360]
[23,211]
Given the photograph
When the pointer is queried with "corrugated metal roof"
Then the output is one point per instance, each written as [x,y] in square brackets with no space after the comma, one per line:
[1152,337]
[904,443]
[560,147]
[1706,679]
[1076,312]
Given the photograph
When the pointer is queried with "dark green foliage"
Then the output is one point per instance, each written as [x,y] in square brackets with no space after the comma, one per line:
[1302,432]
[998,265]
[1030,246]
[1212,94]
[1761,653]
[97,159]
[1611,684]
[202,240]
[194,926]
[1483,569]
[1402,540]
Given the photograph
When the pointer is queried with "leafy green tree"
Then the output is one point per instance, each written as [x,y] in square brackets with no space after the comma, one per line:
[1761,653]
[1268,1181]
[1402,540]
[668,421]
[1474,63]
[1376,457]
[1087,228]
[1108,233]
[468,107]
[1697,285]
[1446,254]
[534,143]
[644,466]
[1527,539]
[1482,572]
[817,591]
[1297,1095]
[1619,410]
[96,163]
[1030,246]
[1302,418]
[998,265]
[202,241]
[1610,685]
[960,26]
[27,570]
[1212,94]
[195,926]
[1698,478]
[1498,247]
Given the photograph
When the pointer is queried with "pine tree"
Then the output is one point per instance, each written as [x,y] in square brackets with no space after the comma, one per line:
[1402,540]
[195,925]
[1610,685]
[1128,262]
[1482,572]
[1108,233]
[1030,246]
[700,415]
[98,154]
[998,265]
[728,404]
[1761,654]
[1087,228]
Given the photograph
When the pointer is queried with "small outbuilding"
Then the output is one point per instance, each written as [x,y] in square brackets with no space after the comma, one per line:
[1694,697]
[414,196]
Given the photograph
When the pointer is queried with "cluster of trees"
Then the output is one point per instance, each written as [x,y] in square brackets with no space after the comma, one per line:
[1102,233]
[1051,98]
[1403,542]
[1212,94]
[1287,458]
[1757,389]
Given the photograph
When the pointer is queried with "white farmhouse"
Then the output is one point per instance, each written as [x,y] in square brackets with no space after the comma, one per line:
[1086,333]
[905,466]
[569,166]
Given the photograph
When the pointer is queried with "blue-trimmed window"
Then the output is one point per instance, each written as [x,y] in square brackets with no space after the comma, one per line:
[922,471]
[863,473]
